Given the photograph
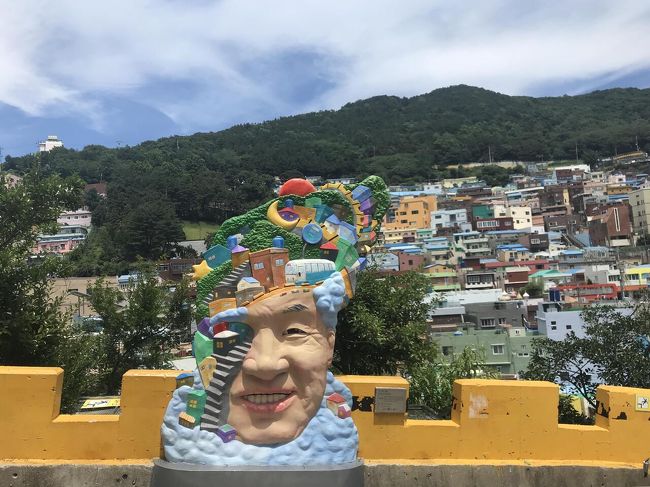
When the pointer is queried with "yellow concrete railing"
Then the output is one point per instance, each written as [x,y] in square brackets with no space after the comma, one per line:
[491,420]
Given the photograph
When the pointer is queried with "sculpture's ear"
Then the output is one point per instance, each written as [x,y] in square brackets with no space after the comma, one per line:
[331,338]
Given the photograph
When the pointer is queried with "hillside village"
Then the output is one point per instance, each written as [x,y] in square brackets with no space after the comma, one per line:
[510,263]
[505,263]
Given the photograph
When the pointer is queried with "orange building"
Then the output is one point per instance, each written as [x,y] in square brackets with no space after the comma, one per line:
[413,212]
[267,266]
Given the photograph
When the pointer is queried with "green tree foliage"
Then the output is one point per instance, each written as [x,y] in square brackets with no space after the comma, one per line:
[384,331]
[567,414]
[208,175]
[615,348]
[150,230]
[432,381]
[31,325]
[535,289]
[33,330]
[126,228]
[140,326]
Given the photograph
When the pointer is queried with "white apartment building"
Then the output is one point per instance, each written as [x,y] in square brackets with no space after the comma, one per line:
[556,320]
[472,244]
[602,274]
[522,216]
[80,217]
[385,261]
[450,218]
[616,178]
[50,143]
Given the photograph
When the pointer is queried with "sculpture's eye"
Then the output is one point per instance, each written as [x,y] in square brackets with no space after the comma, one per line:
[295,332]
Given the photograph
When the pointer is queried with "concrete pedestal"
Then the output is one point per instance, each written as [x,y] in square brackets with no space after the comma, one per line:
[166,474]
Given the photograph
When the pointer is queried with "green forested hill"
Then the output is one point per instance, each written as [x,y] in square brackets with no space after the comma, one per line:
[400,139]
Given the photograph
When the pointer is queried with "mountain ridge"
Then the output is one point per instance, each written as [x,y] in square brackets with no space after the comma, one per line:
[397,137]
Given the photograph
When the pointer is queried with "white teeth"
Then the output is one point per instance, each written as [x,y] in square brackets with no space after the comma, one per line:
[265,398]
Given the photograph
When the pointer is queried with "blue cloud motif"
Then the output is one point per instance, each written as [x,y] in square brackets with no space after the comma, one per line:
[327,439]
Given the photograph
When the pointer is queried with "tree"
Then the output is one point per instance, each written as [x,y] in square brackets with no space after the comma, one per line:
[150,229]
[615,350]
[33,329]
[92,199]
[432,382]
[384,331]
[140,325]
[31,324]
[535,289]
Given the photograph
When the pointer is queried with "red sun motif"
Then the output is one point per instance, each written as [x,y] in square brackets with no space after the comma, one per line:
[297,186]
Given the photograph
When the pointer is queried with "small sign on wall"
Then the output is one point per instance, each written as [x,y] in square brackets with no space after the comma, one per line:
[390,400]
[642,403]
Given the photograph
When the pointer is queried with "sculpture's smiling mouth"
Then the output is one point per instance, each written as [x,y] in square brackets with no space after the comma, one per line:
[268,403]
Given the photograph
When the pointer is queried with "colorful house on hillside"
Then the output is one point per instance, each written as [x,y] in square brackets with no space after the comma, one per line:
[637,278]
[442,278]
[65,240]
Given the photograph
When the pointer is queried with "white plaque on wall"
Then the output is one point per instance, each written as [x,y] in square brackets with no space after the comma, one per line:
[390,400]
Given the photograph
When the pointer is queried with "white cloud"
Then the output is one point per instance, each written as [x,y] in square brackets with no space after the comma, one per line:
[67,56]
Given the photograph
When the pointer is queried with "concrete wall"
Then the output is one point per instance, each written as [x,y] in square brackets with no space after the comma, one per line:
[492,421]
[376,475]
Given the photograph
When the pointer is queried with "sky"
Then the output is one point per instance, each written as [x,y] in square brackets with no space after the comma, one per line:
[121,72]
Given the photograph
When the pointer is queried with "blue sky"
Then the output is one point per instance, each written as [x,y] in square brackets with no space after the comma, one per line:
[124,72]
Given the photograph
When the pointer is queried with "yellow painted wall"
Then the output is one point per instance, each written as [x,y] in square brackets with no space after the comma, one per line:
[491,421]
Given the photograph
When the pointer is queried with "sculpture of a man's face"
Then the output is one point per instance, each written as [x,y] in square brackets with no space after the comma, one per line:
[268,294]
[282,380]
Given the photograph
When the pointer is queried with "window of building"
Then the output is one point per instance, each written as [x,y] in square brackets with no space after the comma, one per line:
[474,279]
[279,262]
[553,327]
[402,213]
[487,322]
[486,224]
[447,350]
[535,241]
[553,322]
[502,321]
[569,327]
[258,265]
[497,349]
[415,212]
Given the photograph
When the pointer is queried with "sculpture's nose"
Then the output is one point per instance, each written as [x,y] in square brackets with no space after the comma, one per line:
[265,359]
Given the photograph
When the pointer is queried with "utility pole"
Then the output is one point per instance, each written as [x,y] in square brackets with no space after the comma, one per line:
[636,137]
[621,268]
[576,152]
[490,154]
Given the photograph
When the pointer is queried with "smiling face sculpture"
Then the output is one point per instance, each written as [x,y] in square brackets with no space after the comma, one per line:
[282,379]
[261,393]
